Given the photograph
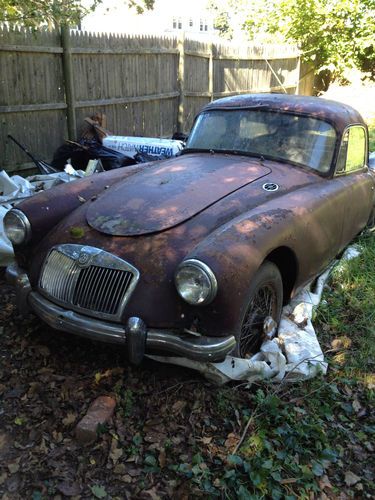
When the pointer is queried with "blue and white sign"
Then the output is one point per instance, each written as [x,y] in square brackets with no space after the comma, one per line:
[152,146]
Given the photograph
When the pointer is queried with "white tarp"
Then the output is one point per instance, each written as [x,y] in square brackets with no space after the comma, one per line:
[295,354]
[14,189]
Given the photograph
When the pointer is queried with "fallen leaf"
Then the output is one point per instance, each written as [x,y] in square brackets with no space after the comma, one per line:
[162,458]
[351,478]
[289,480]
[120,469]
[356,405]
[57,436]
[153,493]
[13,468]
[33,389]
[325,483]
[178,406]
[69,419]
[13,484]
[341,343]
[126,479]
[231,441]
[115,453]
[43,350]
[98,491]
[69,489]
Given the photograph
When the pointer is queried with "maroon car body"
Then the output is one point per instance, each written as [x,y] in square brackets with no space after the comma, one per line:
[261,218]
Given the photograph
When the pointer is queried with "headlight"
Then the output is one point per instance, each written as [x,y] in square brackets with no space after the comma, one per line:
[195,282]
[17,227]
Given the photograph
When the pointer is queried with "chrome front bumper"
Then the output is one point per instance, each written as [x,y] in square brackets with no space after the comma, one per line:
[134,335]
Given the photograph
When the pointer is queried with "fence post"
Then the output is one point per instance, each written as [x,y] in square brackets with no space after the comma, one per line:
[181,83]
[68,82]
[298,71]
[211,72]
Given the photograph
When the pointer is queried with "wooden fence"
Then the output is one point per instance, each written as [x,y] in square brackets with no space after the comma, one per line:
[146,85]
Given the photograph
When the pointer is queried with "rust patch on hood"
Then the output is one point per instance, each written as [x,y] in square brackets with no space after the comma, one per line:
[170,193]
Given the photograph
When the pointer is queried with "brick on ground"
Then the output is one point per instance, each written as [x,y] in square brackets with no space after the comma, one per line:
[99,412]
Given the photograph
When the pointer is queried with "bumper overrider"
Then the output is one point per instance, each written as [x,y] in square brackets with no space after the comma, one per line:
[134,335]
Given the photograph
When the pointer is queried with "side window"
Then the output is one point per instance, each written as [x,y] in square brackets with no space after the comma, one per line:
[356,149]
[352,151]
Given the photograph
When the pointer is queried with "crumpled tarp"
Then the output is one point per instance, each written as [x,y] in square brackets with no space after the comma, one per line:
[14,189]
[295,354]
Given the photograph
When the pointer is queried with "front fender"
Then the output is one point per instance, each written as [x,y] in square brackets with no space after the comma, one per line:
[308,224]
[235,252]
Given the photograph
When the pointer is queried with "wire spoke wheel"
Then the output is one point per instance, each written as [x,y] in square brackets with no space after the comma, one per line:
[265,303]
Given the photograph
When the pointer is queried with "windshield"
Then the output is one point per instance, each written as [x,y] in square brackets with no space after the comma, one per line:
[298,139]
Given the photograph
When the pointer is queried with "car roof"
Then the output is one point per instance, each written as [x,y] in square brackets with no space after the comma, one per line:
[339,114]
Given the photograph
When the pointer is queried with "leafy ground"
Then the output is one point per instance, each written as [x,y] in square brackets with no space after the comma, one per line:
[174,435]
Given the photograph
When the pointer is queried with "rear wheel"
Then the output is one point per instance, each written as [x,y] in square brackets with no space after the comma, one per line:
[263,311]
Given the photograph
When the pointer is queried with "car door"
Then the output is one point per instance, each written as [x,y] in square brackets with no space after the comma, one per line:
[353,172]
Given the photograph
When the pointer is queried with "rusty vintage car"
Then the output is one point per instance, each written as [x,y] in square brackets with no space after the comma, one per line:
[194,256]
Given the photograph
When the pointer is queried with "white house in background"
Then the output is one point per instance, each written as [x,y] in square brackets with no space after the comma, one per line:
[167,17]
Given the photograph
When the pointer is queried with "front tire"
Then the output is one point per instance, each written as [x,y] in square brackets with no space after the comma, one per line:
[264,302]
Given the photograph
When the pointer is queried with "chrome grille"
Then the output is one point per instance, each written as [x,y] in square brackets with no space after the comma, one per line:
[100,285]
[106,298]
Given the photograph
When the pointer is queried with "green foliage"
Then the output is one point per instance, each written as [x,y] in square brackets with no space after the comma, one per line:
[371,131]
[50,13]
[332,34]
[297,434]
[126,400]
[53,13]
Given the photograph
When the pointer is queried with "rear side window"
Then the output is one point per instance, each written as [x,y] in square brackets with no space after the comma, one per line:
[352,155]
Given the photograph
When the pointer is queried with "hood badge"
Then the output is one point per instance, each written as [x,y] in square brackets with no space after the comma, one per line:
[270,186]
[84,258]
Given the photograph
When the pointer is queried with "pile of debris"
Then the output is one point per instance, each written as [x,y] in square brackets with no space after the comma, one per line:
[111,151]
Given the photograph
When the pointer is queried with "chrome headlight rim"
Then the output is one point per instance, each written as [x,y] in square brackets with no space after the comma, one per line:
[25,223]
[201,266]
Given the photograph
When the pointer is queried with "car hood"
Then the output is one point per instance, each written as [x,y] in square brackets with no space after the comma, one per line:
[170,192]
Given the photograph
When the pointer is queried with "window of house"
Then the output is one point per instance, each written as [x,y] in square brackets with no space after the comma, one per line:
[201,25]
[180,24]
[174,23]
[191,23]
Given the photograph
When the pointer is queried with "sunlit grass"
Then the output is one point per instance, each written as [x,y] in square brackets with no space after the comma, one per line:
[347,314]
[371,130]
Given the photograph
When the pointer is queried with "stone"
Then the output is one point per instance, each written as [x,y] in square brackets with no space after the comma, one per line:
[99,413]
